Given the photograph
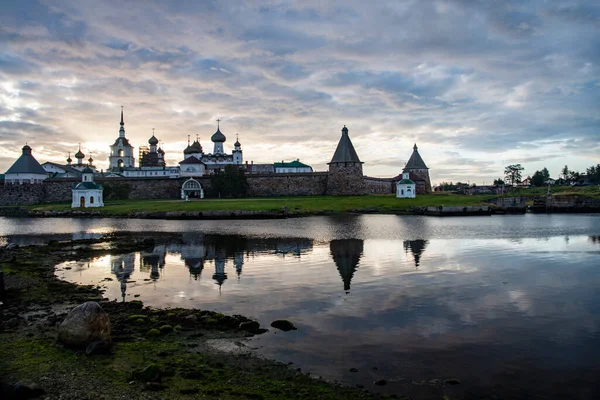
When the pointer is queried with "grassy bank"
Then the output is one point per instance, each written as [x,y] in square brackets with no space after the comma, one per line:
[589,191]
[188,366]
[296,205]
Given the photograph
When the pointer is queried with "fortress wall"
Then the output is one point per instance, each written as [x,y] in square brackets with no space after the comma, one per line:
[298,184]
[379,186]
[47,192]
[345,179]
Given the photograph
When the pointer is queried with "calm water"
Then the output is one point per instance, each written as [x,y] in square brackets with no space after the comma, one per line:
[509,305]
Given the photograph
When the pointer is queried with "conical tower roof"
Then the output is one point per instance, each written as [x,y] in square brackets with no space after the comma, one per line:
[26,164]
[415,161]
[345,150]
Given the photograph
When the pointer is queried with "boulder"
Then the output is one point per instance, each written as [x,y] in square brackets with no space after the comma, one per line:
[249,326]
[85,324]
[100,347]
[283,324]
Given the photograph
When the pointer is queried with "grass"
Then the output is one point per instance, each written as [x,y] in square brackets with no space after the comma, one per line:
[590,191]
[298,205]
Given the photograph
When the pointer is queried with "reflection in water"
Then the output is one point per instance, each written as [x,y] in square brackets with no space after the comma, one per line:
[416,247]
[346,256]
[516,316]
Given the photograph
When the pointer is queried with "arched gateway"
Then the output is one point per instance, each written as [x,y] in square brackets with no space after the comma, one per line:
[192,189]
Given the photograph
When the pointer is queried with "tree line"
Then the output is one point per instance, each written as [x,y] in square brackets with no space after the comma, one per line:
[513,175]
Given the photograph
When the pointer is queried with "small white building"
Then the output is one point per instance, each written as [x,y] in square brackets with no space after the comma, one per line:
[87,193]
[26,170]
[406,188]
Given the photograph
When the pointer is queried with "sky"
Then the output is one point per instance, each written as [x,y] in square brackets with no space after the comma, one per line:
[478,85]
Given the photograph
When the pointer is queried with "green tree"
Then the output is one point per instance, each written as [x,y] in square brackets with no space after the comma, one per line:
[565,172]
[498,182]
[512,174]
[593,174]
[231,182]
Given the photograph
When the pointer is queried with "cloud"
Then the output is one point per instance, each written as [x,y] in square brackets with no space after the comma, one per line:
[487,81]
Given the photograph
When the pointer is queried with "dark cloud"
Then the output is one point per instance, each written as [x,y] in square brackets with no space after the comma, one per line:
[474,83]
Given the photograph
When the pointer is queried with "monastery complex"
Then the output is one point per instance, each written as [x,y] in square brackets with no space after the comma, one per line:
[29,182]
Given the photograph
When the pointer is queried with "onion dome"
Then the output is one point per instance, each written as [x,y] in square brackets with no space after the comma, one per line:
[218,137]
[79,154]
[189,150]
[161,151]
[26,149]
[69,159]
[91,160]
[153,141]
[237,143]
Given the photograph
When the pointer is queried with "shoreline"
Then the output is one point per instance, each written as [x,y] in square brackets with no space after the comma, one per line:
[189,355]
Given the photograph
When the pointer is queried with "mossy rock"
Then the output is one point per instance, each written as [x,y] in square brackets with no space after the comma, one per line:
[135,317]
[153,333]
[138,304]
[166,329]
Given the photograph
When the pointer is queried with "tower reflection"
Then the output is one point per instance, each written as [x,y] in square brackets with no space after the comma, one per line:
[346,254]
[416,247]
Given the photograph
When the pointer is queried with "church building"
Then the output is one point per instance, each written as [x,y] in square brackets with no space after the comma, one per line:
[121,152]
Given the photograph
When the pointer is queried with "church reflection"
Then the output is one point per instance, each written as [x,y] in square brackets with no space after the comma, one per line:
[198,251]
[594,239]
[346,254]
[416,247]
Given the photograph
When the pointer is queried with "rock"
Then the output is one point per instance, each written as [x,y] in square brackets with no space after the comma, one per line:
[353,370]
[259,331]
[452,381]
[100,347]
[166,329]
[85,324]
[283,324]
[191,319]
[249,326]
[27,390]
[150,373]
[138,304]
[153,332]
[380,382]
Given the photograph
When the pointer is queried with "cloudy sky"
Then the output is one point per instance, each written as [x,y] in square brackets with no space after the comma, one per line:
[477,85]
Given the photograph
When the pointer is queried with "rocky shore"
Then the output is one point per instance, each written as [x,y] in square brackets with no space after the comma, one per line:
[151,353]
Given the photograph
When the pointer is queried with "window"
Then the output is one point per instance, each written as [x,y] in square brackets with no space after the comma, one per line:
[121,153]
[402,191]
[92,200]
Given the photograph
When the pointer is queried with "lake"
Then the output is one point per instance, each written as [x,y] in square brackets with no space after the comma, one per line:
[508,305]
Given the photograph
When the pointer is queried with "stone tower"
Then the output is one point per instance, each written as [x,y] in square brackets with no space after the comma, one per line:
[418,172]
[345,169]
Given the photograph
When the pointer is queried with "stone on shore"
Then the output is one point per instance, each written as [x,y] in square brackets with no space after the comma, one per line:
[85,324]
[283,324]
[249,326]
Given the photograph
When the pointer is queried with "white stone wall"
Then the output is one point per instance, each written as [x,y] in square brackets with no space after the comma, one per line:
[24,178]
[406,191]
[192,170]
